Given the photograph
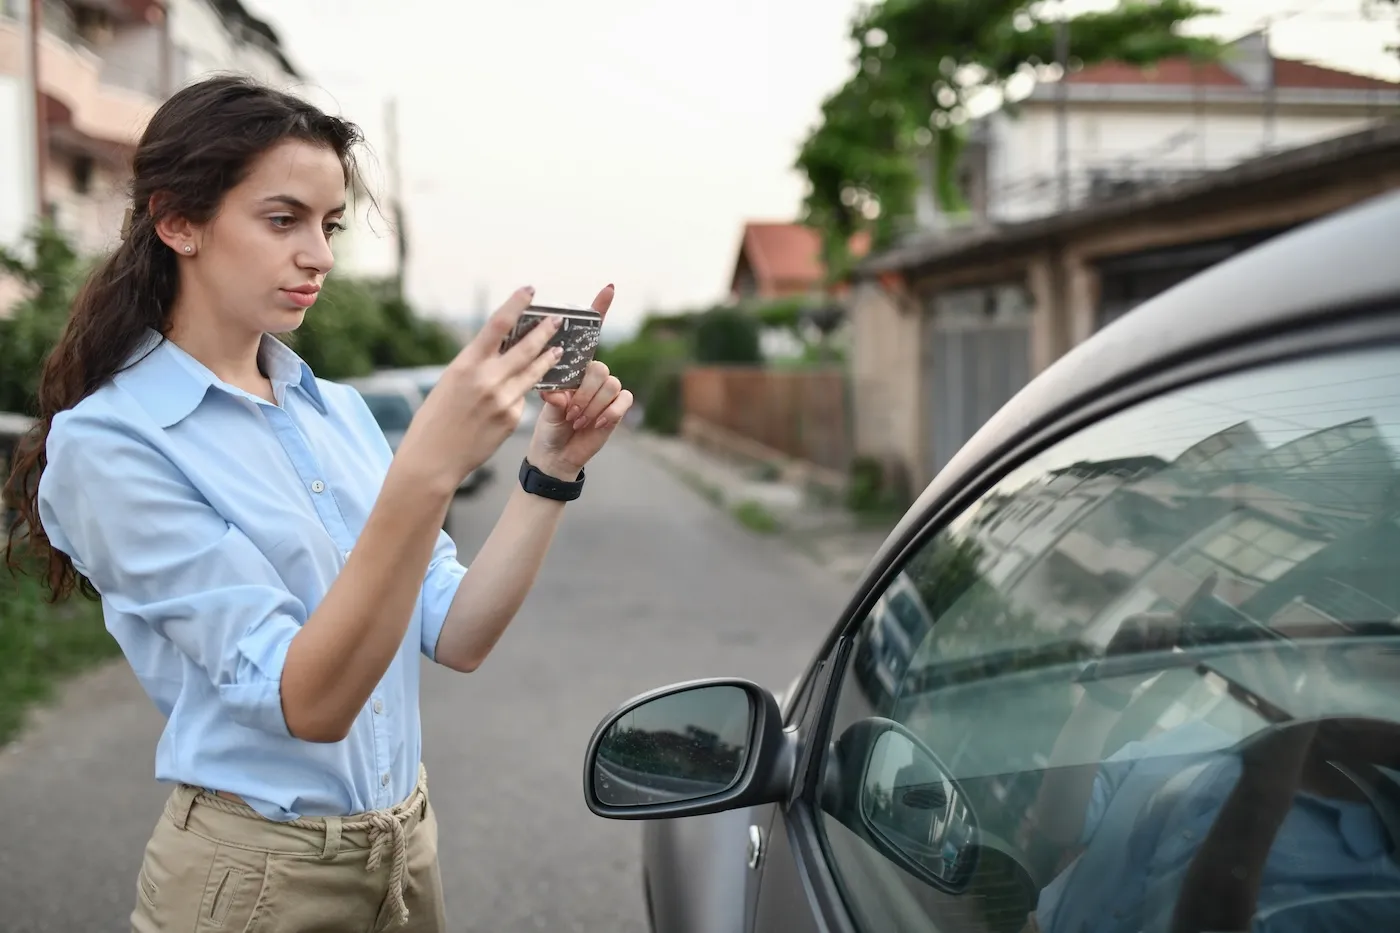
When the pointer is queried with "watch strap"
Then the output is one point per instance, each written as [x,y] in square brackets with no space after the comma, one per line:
[538,483]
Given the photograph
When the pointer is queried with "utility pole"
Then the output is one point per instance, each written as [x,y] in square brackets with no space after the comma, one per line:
[41,134]
[391,117]
[1062,110]
[1270,90]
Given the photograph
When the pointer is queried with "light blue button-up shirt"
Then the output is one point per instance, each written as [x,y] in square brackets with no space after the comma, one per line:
[213,523]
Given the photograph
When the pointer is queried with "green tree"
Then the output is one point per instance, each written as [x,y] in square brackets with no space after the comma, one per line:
[356,327]
[918,64]
[359,326]
[49,275]
[406,339]
[337,337]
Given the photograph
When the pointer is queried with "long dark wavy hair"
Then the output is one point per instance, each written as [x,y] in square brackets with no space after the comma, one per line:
[198,145]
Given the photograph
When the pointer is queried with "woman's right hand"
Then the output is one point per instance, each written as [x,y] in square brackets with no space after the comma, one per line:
[480,398]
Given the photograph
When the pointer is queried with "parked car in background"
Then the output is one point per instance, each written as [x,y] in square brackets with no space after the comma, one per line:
[426,378]
[1130,662]
[394,398]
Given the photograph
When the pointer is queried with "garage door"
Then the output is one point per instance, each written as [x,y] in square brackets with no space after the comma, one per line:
[978,356]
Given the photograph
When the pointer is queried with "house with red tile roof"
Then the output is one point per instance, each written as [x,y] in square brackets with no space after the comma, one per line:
[782,260]
[1111,128]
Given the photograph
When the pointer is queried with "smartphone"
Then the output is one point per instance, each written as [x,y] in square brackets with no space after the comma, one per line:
[578,334]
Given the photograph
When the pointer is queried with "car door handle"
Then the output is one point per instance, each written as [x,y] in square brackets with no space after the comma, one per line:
[755,846]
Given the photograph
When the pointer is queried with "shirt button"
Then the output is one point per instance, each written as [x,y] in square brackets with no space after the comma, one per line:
[317,486]
[379,706]
[384,780]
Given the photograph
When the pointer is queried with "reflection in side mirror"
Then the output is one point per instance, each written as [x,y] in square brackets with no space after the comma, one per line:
[677,747]
[913,807]
[704,746]
[892,790]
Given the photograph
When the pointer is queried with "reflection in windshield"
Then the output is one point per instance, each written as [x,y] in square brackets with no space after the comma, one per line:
[1280,487]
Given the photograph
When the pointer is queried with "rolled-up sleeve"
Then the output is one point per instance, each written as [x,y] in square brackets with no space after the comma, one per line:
[159,554]
[440,585]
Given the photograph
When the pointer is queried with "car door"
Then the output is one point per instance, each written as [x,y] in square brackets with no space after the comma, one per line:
[1147,677]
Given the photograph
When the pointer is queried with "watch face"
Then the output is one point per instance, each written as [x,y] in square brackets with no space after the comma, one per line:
[578,334]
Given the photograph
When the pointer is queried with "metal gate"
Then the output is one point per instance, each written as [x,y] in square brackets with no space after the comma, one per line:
[977,357]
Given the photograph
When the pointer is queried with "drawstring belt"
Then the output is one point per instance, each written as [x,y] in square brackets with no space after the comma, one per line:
[384,828]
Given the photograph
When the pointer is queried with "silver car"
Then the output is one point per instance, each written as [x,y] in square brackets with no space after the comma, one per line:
[1130,663]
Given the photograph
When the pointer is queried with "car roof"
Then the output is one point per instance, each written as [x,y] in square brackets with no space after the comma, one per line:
[385,382]
[1345,260]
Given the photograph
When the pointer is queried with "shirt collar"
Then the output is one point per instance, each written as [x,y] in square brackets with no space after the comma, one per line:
[169,383]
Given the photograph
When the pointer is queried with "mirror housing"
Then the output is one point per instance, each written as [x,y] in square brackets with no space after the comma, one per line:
[764,776]
[896,794]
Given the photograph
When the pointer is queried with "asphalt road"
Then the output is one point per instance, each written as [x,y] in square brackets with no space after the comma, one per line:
[647,584]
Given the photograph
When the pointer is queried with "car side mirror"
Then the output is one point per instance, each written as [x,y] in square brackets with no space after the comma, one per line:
[895,793]
[692,748]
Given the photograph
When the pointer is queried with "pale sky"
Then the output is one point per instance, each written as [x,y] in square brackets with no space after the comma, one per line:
[570,144]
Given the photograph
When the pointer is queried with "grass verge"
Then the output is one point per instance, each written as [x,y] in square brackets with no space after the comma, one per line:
[41,644]
[755,517]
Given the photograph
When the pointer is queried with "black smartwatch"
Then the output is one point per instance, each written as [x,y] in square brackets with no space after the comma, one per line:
[541,484]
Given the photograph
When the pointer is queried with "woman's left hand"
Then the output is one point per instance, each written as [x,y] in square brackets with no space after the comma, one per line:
[574,425]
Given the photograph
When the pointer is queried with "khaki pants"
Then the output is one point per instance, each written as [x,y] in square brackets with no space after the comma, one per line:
[214,864]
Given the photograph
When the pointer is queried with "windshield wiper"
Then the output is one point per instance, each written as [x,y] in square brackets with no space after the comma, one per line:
[1154,663]
[1270,711]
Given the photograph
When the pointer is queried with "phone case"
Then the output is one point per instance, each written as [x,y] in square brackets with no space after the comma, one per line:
[578,335]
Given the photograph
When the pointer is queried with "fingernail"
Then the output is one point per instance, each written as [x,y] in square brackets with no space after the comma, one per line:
[558,322]
[578,425]
[600,422]
[557,352]
[610,285]
[529,289]
[573,413]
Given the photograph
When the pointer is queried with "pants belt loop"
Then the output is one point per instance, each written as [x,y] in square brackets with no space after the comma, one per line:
[333,827]
[183,803]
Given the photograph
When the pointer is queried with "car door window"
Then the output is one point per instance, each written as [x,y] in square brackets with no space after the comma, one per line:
[1148,681]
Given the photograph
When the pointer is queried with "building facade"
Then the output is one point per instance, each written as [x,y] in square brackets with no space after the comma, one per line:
[104,66]
[1112,128]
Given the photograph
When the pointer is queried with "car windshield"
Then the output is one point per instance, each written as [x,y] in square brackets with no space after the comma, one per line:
[390,409]
[1259,513]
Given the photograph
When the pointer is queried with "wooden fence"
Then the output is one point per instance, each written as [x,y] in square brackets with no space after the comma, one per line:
[799,414]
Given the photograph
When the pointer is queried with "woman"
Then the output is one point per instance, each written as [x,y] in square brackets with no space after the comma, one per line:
[269,570]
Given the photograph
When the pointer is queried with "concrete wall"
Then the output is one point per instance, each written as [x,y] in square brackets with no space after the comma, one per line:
[886,367]
[17,202]
[91,219]
[134,58]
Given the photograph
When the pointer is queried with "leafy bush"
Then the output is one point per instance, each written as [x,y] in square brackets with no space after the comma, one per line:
[50,276]
[41,642]
[663,409]
[876,488]
[727,335]
[650,366]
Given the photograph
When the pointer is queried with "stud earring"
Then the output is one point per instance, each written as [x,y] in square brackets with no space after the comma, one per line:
[189,248]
